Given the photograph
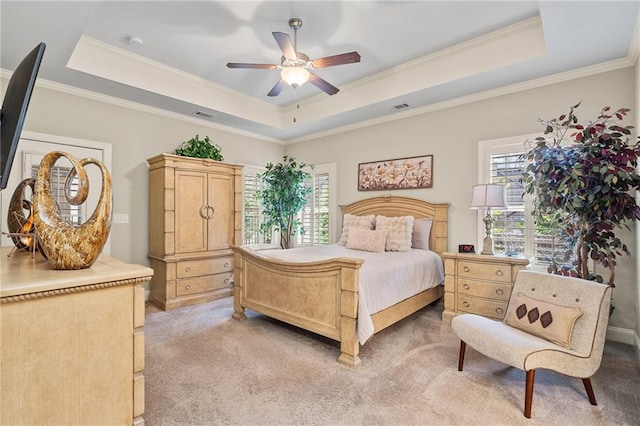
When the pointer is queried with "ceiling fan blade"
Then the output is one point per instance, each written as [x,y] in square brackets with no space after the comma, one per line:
[275,91]
[322,84]
[330,61]
[255,66]
[284,42]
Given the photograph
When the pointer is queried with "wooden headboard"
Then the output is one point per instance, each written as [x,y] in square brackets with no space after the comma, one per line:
[404,206]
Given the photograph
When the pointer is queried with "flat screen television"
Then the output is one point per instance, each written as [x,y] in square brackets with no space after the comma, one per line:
[14,109]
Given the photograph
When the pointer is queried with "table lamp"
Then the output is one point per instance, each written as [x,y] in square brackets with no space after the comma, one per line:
[488,196]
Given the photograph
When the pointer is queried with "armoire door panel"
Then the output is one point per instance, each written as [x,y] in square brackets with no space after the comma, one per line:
[221,199]
[191,200]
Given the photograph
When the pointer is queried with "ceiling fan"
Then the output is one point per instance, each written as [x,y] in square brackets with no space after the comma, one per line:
[296,66]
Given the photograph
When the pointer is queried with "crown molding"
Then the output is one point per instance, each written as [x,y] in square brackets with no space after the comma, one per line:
[514,88]
[87,94]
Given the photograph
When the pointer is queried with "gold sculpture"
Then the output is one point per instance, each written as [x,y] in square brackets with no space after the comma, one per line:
[71,246]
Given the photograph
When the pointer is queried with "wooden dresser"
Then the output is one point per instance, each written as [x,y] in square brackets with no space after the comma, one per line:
[72,342]
[478,284]
[195,215]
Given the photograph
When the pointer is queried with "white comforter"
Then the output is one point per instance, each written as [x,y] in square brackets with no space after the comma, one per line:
[385,278]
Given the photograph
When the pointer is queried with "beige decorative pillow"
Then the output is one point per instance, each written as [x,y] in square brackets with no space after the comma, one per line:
[352,221]
[367,240]
[420,235]
[400,230]
[543,319]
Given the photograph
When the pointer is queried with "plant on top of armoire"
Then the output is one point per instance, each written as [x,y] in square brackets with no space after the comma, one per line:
[283,196]
[582,180]
[200,148]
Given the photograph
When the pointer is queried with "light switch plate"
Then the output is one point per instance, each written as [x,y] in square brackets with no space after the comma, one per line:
[120,218]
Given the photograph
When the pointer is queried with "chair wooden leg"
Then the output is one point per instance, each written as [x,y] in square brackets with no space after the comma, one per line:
[589,389]
[463,346]
[528,394]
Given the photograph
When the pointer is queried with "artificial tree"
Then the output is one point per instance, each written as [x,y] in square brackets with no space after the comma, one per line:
[283,195]
[582,179]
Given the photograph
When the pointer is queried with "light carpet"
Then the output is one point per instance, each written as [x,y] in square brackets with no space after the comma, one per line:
[204,368]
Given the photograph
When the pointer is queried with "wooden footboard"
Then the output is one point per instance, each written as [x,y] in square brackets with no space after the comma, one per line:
[321,297]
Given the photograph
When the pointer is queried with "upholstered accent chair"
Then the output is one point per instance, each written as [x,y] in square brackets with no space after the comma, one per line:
[565,320]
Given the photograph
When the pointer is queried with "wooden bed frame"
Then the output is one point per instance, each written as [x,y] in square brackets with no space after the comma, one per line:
[322,297]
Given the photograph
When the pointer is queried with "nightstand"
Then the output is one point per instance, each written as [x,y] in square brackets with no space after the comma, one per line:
[478,284]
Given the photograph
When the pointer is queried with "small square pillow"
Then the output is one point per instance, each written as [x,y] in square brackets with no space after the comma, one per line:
[421,232]
[400,230]
[543,319]
[367,240]
[351,221]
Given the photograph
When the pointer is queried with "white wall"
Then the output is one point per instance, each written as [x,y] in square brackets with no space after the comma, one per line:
[135,136]
[452,136]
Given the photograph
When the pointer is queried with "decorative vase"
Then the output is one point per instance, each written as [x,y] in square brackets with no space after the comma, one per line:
[71,246]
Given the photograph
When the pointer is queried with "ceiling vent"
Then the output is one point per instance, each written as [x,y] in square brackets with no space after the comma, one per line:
[401,106]
[203,114]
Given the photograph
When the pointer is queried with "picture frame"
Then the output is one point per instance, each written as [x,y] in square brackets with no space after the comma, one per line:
[400,173]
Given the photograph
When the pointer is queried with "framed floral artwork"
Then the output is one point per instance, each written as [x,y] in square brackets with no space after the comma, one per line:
[401,173]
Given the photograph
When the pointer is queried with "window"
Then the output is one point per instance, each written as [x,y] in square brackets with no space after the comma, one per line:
[252,236]
[70,213]
[316,218]
[514,231]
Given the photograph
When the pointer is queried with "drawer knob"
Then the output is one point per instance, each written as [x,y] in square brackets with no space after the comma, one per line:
[499,273]
[466,286]
[187,269]
[465,304]
[466,269]
[226,264]
[226,280]
[499,311]
[187,287]
[499,292]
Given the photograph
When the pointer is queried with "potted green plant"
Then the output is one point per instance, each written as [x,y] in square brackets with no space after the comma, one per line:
[200,148]
[283,195]
[581,178]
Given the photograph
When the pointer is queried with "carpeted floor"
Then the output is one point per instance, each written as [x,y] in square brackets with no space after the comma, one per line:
[203,368]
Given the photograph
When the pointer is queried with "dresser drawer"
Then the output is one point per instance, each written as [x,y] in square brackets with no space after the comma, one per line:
[196,268]
[484,271]
[203,284]
[484,289]
[488,308]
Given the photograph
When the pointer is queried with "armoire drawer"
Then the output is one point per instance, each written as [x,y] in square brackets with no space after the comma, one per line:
[196,268]
[484,289]
[203,284]
[485,307]
[484,271]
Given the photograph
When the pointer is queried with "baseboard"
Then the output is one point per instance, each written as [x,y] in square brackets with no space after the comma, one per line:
[623,335]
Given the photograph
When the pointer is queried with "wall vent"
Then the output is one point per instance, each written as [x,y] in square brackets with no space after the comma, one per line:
[401,106]
[203,114]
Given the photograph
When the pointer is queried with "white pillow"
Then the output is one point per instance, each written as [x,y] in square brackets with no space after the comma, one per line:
[400,230]
[421,232]
[367,240]
[352,221]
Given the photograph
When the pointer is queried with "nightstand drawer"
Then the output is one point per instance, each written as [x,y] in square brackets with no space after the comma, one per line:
[484,289]
[488,308]
[484,271]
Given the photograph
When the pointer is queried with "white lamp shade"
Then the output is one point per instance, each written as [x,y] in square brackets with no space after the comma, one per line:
[487,196]
[295,76]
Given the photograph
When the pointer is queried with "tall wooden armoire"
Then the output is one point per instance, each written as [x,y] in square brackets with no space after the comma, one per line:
[195,214]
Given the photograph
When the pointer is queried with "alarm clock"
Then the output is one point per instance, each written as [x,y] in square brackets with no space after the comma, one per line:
[466,248]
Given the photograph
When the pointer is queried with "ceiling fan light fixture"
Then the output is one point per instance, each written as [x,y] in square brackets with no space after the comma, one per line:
[295,76]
